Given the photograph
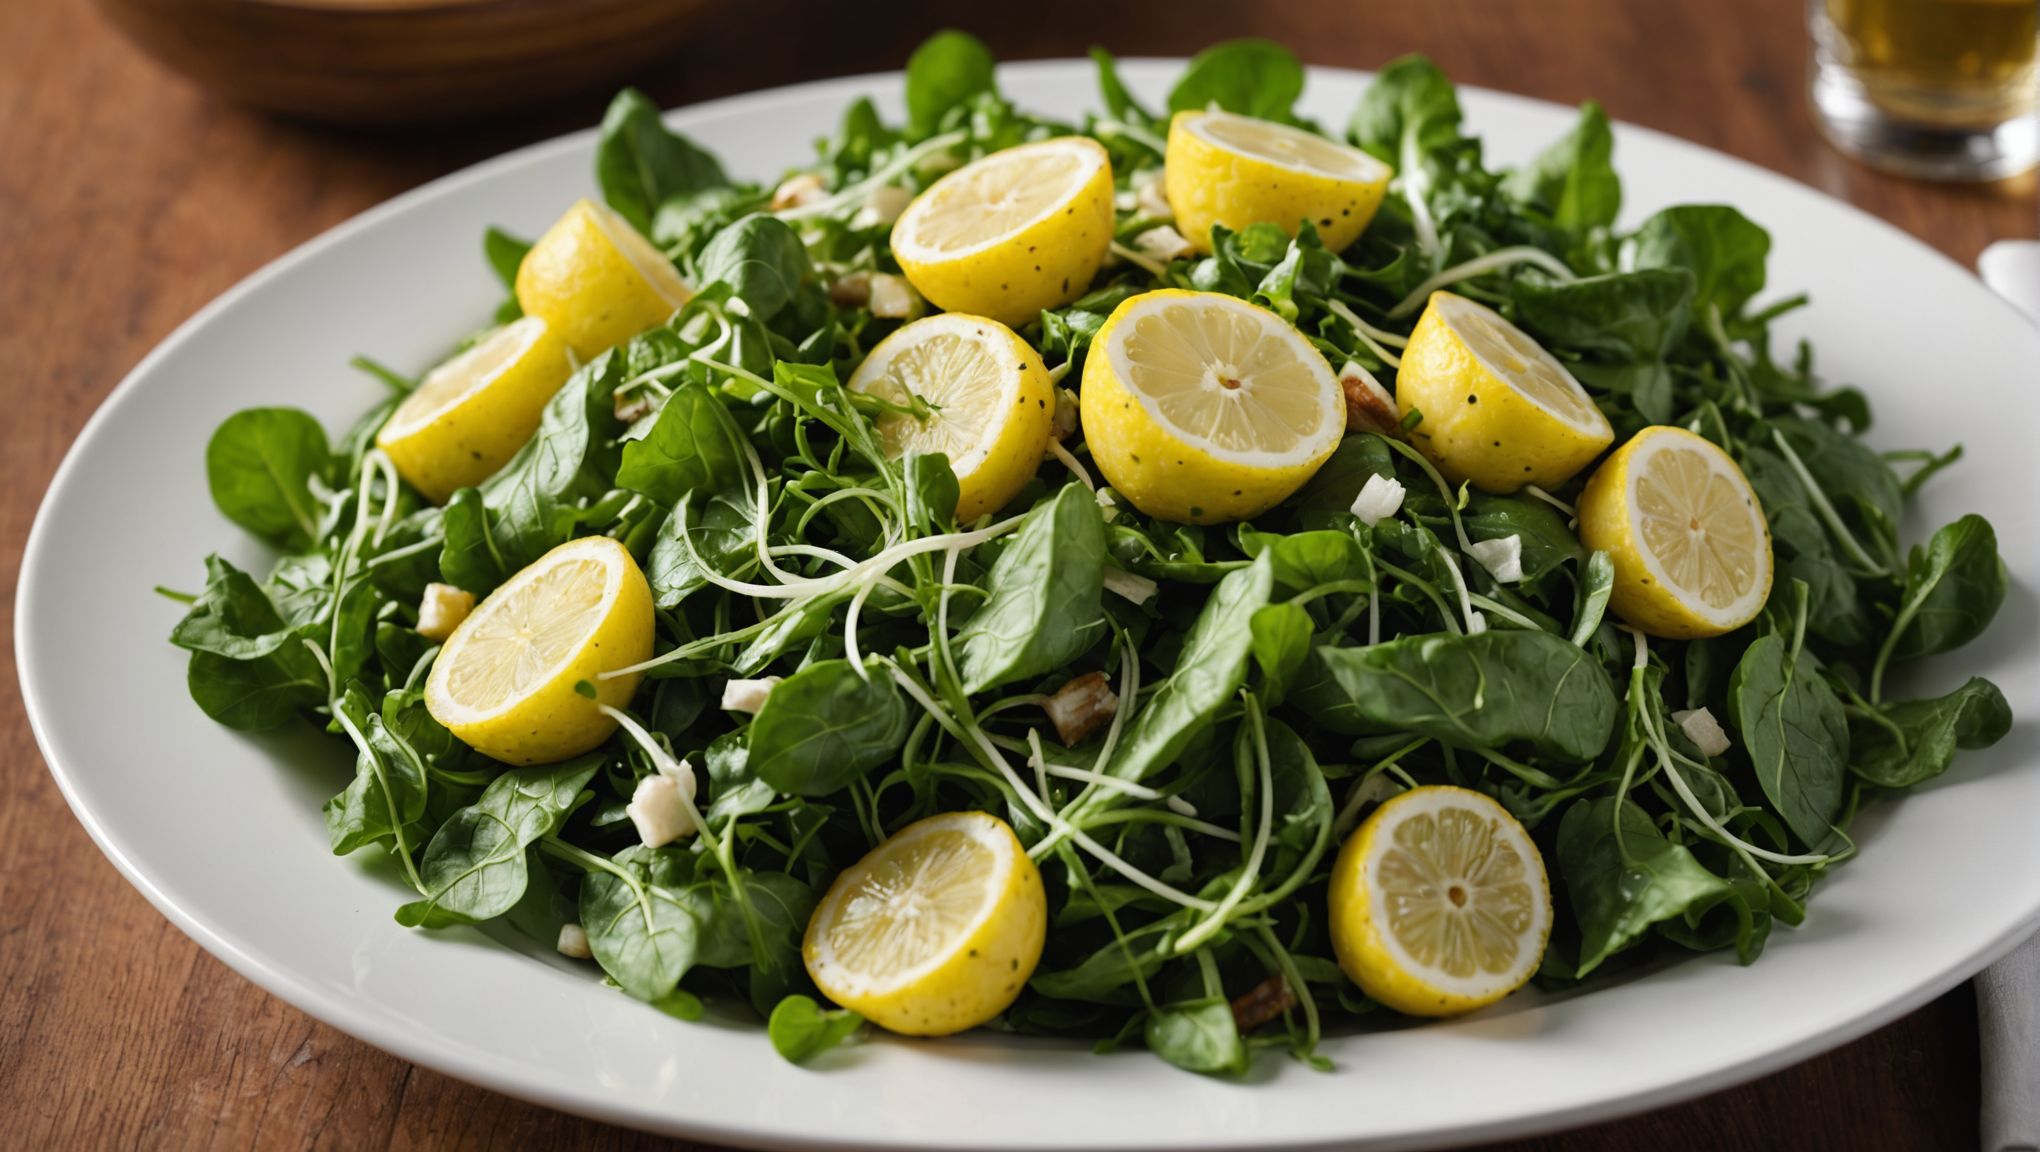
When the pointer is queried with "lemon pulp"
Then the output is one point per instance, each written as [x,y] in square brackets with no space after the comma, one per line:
[935,930]
[1691,548]
[1200,407]
[470,415]
[1439,903]
[993,405]
[505,681]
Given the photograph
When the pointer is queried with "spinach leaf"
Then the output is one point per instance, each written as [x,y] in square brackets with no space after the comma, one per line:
[1624,876]
[1973,716]
[693,446]
[506,255]
[1198,1035]
[799,1028]
[825,726]
[1326,500]
[932,492]
[1303,801]
[1573,182]
[1547,543]
[1409,97]
[474,868]
[1848,471]
[1953,589]
[1619,318]
[1045,606]
[233,617]
[389,786]
[532,500]
[1480,691]
[1249,76]
[1310,559]
[1118,100]
[260,463]
[467,556]
[735,789]
[640,932]
[259,694]
[1720,246]
[686,223]
[1804,549]
[1281,644]
[1795,732]
[721,534]
[947,69]
[640,164]
[763,261]
[1210,669]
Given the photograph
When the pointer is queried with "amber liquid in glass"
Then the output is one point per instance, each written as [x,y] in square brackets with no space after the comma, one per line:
[1940,61]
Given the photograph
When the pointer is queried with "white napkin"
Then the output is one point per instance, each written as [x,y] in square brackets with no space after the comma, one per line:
[2008,992]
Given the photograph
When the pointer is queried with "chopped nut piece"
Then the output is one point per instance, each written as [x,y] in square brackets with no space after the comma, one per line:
[1067,416]
[1369,407]
[1163,243]
[852,291]
[1379,499]
[1153,195]
[805,188]
[656,808]
[747,695]
[1134,587]
[1080,706]
[883,206]
[1264,1002]
[892,298]
[1703,729]
[442,610]
[574,942]
[632,406]
[1502,558]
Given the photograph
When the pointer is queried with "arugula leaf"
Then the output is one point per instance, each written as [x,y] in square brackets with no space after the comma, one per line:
[1573,182]
[1045,606]
[260,464]
[640,164]
[1250,76]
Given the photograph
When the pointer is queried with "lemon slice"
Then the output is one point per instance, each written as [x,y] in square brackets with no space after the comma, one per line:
[1236,170]
[1200,407]
[505,681]
[1439,903]
[1691,548]
[1012,233]
[1498,409]
[994,404]
[597,281]
[934,931]
[472,413]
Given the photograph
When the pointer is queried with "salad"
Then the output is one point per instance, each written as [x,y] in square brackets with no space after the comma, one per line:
[1188,579]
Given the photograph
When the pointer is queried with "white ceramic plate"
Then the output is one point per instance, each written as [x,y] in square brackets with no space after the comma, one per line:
[222,832]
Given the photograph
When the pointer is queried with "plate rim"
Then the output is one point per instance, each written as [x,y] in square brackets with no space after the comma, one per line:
[421,1048]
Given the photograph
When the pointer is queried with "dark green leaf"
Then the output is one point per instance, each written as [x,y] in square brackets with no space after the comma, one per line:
[506,255]
[1045,605]
[947,69]
[825,726]
[1281,643]
[763,261]
[693,446]
[799,1027]
[1409,96]
[259,465]
[1953,588]
[1573,182]
[641,934]
[1723,250]
[1623,881]
[1249,76]
[1198,1035]
[1796,735]
[1973,716]
[641,165]
[474,868]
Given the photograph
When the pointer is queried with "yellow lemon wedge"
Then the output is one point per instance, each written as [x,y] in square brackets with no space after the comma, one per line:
[1498,409]
[1234,170]
[1692,550]
[1439,903]
[505,681]
[934,931]
[472,413]
[1201,408]
[993,405]
[1012,233]
[597,281]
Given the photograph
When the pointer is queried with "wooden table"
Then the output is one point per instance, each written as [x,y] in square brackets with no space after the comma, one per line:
[129,198]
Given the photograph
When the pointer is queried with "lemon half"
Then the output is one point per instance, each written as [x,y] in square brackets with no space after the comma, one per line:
[1439,903]
[1012,233]
[1200,407]
[1498,409]
[934,931]
[1691,547]
[504,682]
[994,404]
[471,414]
[597,281]
[1236,170]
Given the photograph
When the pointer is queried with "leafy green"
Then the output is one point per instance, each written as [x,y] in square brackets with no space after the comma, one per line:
[1623,876]
[1795,732]
[475,865]
[1723,250]
[1953,588]
[947,70]
[640,164]
[826,725]
[260,464]
[1044,608]
[1198,1035]
[1915,740]
[1249,76]
[763,261]
[800,1028]
[1573,182]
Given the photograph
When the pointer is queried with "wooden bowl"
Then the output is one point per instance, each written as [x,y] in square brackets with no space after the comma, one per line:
[403,61]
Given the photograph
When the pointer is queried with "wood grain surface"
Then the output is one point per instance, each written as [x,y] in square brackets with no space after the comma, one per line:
[129,198]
